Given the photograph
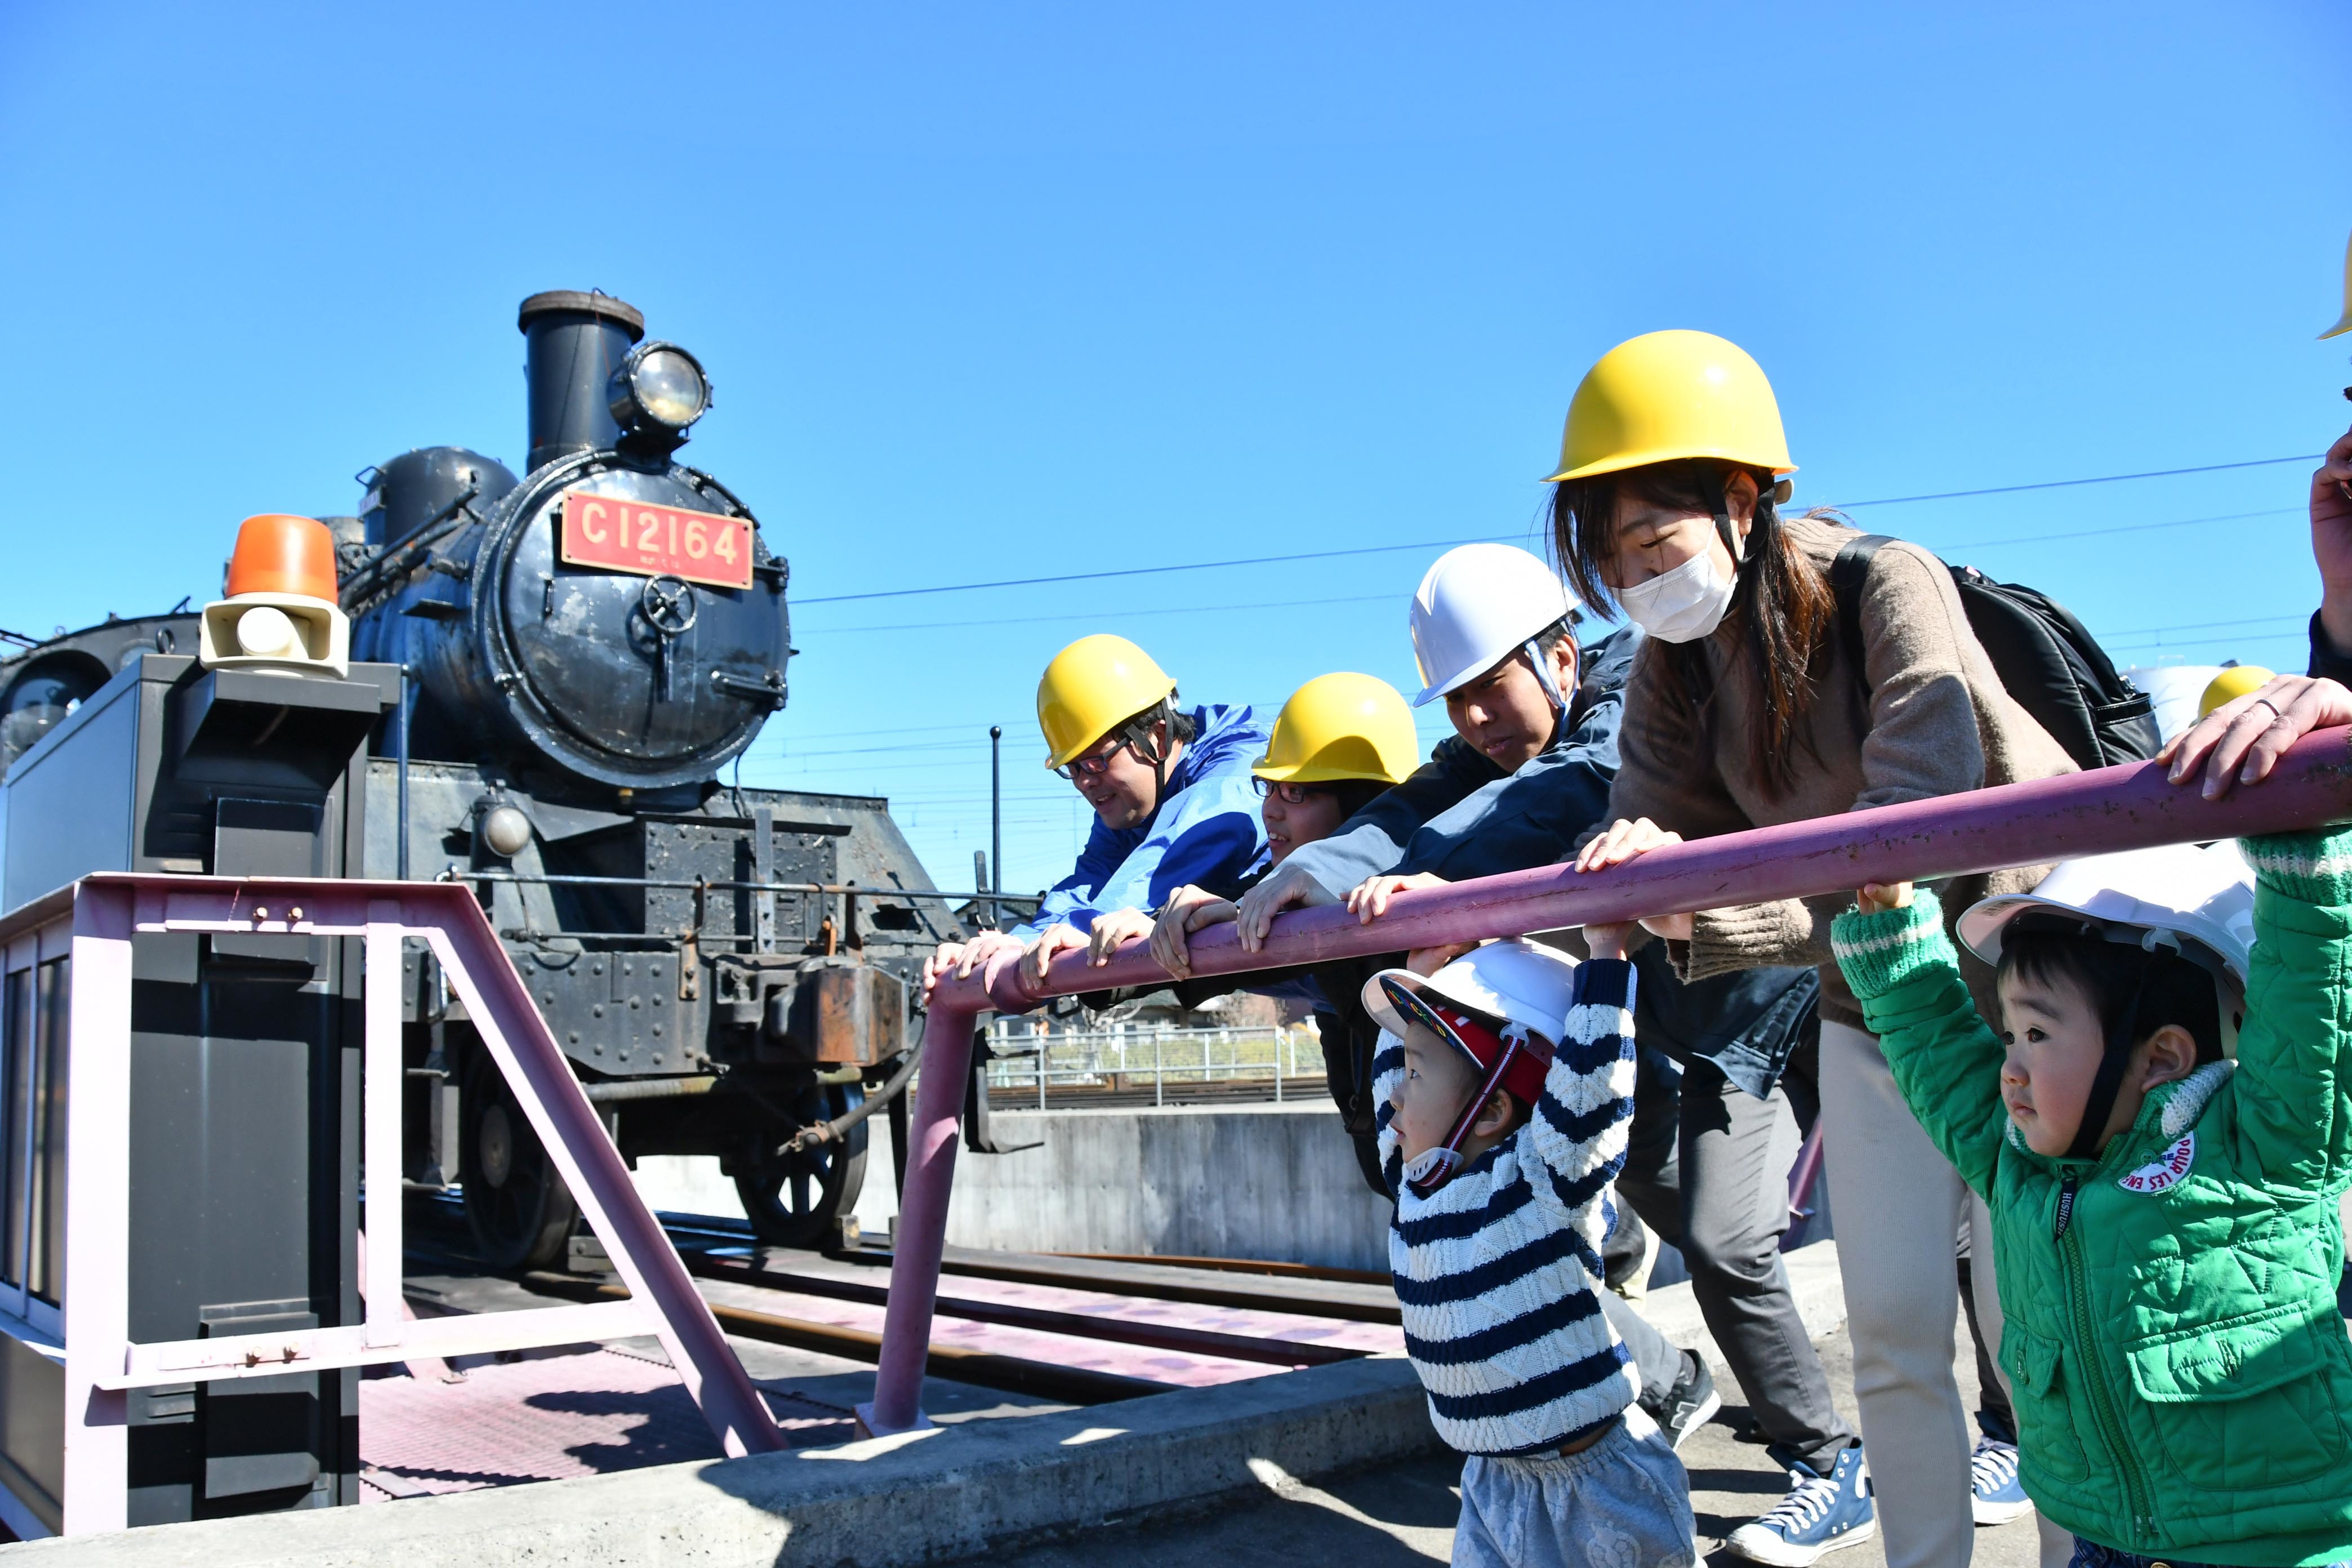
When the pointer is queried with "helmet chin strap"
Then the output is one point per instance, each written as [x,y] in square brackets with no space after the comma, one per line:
[1433,1168]
[1545,677]
[2101,1102]
[1155,752]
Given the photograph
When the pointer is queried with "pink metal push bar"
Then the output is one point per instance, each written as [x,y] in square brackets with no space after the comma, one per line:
[2128,807]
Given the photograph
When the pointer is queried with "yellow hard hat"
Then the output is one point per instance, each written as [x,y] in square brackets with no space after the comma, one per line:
[2344,322]
[1340,727]
[1668,395]
[1090,688]
[2231,684]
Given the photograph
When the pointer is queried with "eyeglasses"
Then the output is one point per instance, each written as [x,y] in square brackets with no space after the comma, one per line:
[1289,793]
[1094,764]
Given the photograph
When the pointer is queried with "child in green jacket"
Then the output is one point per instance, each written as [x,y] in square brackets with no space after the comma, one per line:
[2164,1219]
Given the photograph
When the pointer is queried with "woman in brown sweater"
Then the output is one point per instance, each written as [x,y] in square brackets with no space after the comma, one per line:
[1744,710]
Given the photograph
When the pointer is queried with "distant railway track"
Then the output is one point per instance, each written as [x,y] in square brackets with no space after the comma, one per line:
[1075,1329]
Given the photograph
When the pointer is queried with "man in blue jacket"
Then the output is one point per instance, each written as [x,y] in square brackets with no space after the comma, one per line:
[1171,792]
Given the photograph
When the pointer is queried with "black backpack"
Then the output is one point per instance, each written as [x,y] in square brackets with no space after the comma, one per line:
[2044,657]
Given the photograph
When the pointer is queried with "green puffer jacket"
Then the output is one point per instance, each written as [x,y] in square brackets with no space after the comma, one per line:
[2182,1378]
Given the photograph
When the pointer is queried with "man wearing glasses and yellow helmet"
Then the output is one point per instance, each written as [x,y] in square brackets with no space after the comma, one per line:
[1170,790]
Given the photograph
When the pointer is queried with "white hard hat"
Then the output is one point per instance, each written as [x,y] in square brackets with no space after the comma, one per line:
[2203,898]
[1477,606]
[1512,979]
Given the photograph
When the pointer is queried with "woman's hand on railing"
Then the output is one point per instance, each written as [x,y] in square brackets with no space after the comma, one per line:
[1189,910]
[1627,840]
[1278,891]
[2239,742]
[1037,960]
[1368,900]
[964,957]
[1113,929]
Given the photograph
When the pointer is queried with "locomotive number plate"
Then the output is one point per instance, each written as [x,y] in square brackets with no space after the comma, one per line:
[621,535]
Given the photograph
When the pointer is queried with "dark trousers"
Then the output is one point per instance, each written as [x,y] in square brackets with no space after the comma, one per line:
[1700,1173]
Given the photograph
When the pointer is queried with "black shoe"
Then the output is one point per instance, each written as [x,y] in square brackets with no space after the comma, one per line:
[1689,1405]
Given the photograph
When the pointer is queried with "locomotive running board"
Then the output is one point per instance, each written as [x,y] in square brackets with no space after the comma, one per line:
[102,1361]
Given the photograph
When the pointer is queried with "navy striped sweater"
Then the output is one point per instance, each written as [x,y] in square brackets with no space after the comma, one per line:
[1498,1270]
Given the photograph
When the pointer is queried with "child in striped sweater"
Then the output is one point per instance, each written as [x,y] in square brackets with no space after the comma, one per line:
[1507,1087]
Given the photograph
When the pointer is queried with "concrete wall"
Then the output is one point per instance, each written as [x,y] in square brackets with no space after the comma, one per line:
[1275,1182]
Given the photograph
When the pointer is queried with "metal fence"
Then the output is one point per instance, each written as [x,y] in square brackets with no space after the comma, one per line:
[1156,1064]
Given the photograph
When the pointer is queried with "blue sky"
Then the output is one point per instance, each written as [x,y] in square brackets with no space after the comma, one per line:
[1030,290]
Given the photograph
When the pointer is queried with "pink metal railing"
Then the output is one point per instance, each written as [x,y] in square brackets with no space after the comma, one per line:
[2126,807]
[102,1360]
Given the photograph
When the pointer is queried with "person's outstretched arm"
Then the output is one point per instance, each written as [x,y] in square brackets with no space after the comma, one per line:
[1945,1062]
[1585,1115]
[2294,1095]
[2331,552]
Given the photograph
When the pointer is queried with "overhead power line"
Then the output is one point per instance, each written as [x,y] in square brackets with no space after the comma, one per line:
[1096,613]
[2068,484]
[1139,571]
[1448,543]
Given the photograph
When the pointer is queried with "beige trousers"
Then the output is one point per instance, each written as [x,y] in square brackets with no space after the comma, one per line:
[1896,1204]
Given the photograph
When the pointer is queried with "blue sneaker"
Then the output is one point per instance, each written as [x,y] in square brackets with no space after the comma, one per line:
[1820,1514]
[1994,1491]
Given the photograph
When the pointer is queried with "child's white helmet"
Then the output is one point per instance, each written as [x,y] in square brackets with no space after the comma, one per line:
[2204,896]
[1514,980]
[2196,901]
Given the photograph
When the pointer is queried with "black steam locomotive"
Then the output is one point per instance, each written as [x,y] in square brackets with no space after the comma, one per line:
[586,647]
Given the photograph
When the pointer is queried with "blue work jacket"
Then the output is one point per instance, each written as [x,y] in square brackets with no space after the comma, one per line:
[1206,828]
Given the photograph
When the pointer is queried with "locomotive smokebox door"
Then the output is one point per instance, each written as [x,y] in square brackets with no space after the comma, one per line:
[841,1014]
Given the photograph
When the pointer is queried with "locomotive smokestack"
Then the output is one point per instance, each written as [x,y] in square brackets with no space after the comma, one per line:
[574,342]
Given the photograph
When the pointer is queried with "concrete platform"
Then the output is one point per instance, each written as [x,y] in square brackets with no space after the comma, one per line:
[920,1496]
[1402,1515]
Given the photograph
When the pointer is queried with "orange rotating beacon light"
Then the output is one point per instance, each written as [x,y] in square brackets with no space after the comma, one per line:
[280,612]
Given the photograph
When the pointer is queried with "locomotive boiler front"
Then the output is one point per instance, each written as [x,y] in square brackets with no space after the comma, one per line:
[615,612]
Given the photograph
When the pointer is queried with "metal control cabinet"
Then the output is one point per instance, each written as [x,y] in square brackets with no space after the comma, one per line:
[245,1131]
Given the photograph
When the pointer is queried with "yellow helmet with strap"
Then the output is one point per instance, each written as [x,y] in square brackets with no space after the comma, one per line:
[1340,727]
[1090,688]
[1668,395]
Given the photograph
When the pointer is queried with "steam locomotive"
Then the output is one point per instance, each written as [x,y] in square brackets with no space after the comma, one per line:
[584,649]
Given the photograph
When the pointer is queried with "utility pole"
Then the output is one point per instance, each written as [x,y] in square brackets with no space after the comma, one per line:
[996,823]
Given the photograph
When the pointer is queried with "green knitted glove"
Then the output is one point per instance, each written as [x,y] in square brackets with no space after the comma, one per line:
[1878,952]
[2313,868]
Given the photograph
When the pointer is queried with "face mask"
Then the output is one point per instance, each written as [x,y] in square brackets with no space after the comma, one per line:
[1681,605]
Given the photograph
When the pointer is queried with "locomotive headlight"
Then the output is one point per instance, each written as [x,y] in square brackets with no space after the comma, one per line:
[659,387]
[505,830]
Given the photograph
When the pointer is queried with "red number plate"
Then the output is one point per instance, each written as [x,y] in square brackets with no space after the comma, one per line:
[621,535]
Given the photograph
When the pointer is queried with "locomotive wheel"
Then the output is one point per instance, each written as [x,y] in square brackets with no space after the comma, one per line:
[797,1199]
[517,1206]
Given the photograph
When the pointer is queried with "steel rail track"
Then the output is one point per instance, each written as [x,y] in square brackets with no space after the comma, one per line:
[986,1369]
[1083,1325]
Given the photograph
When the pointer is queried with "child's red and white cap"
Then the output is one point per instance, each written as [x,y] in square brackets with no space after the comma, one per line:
[1511,985]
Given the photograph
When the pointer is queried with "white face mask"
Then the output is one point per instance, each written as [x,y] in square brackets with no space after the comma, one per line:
[1681,605]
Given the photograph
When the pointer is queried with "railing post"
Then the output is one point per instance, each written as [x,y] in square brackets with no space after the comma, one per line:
[383,1076]
[898,1404]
